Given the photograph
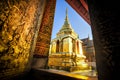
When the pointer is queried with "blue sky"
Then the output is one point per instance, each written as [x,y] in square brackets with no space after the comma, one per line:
[79,25]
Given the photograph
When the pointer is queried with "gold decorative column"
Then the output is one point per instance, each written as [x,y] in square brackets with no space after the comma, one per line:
[19,21]
[76,46]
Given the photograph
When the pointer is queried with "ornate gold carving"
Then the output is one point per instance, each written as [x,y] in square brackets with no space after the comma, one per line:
[18,19]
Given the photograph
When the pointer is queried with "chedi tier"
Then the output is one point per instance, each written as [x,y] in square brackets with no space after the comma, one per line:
[66,50]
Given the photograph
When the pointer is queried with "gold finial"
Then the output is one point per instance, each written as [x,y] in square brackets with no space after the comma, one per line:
[66,11]
[66,14]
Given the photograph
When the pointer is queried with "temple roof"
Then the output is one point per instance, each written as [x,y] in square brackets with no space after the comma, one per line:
[81,7]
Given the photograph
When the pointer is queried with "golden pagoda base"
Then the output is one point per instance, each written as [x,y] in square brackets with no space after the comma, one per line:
[78,68]
[67,62]
[70,68]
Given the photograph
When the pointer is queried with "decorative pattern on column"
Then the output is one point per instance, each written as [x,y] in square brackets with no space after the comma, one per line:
[44,35]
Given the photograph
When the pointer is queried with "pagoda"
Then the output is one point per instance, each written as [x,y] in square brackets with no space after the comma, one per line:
[66,50]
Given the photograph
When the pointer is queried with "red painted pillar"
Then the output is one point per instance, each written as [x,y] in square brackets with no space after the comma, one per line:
[44,36]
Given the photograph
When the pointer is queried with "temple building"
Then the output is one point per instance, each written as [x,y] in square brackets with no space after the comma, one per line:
[89,52]
[88,49]
[66,50]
